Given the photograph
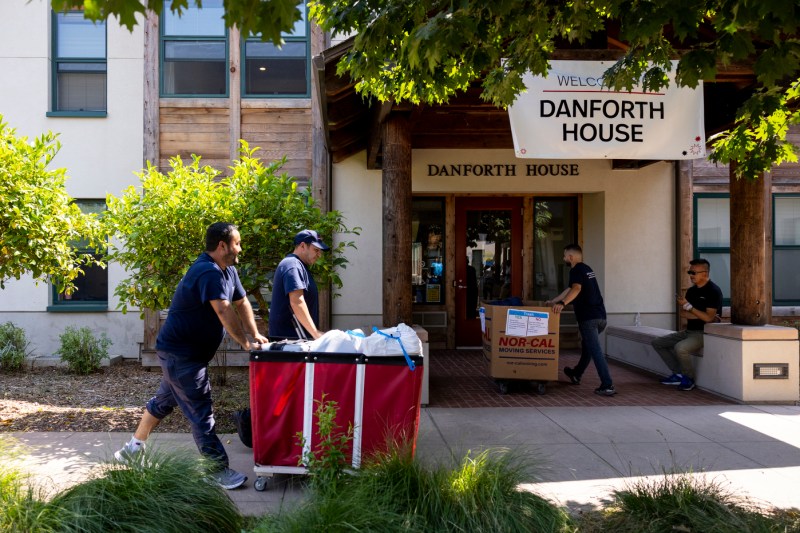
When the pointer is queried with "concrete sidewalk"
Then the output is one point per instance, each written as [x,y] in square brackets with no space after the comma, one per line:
[581,453]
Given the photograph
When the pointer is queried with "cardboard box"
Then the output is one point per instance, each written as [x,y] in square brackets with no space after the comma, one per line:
[532,358]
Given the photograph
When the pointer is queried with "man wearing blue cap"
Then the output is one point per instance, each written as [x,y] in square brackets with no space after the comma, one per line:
[294,293]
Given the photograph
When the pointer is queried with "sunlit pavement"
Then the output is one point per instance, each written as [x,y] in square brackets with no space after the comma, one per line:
[575,456]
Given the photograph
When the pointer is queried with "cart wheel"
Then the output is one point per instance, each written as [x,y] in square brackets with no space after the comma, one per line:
[503,386]
[260,484]
[540,388]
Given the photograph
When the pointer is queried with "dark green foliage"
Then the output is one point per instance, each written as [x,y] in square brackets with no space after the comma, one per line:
[13,347]
[163,493]
[81,350]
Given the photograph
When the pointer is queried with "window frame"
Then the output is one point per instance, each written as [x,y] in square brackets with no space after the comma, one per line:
[56,60]
[698,250]
[777,247]
[288,38]
[80,306]
[164,38]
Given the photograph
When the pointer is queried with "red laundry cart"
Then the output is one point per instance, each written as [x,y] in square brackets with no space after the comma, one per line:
[379,396]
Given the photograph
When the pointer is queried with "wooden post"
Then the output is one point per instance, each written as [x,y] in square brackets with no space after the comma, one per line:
[685,245]
[320,162]
[151,139]
[751,287]
[397,303]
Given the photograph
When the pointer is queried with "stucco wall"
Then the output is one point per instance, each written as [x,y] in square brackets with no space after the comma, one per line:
[100,155]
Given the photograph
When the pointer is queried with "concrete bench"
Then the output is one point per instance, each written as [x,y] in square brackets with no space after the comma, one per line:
[743,363]
[631,345]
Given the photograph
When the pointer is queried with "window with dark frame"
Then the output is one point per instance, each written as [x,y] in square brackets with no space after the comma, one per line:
[79,64]
[194,51]
[712,238]
[92,286]
[786,249]
[278,72]
[428,263]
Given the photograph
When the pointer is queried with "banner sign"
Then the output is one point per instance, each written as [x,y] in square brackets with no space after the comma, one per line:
[570,114]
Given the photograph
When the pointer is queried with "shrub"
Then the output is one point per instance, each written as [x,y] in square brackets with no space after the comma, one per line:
[81,350]
[681,502]
[13,347]
[161,493]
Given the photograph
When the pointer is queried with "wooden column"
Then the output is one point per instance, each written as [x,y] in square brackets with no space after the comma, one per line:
[751,261]
[685,244]
[150,148]
[320,161]
[396,134]
[235,95]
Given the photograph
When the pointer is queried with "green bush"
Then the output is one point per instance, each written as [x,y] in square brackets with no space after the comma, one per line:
[81,350]
[164,492]
[13,347]
[681,502]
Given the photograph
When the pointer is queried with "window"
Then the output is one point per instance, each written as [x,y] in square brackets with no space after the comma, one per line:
[91,292]
[79,65]
[555,226]
[194,51]
[273,71]
[712,238]
[786,249]
[427,250]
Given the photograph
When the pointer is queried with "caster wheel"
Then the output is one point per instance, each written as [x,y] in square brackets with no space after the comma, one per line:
[503,386]
[540,388]
[260,484]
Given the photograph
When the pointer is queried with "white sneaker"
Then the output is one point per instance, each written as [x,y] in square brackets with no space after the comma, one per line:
[228,479]
[127,455]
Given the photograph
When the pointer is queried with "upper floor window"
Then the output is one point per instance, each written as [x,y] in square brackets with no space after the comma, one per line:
[91,287]
[273,71]
[79,63]
[194,51]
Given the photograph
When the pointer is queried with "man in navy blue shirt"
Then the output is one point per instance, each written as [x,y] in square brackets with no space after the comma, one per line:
[208,301]
[294,293]
[583,293]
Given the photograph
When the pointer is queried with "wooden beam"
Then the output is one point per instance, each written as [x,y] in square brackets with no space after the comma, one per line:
[751,284]
[397,304]
[374,135]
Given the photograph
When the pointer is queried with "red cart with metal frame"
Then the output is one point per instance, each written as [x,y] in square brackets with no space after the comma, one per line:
[379,396]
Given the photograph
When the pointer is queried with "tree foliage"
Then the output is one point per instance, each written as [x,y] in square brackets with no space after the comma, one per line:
[159,227]
[429,50]
[39,222]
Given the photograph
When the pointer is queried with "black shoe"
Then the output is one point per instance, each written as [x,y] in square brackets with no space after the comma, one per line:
[605,391]
[573,378]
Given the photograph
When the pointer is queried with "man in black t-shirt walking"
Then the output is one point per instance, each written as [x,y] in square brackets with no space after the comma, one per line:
[583,293]
[700,306]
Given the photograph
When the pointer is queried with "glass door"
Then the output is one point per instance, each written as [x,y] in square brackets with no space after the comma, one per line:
[488,259]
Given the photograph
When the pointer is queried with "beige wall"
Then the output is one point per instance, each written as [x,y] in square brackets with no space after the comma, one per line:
[628,225]
[99,154]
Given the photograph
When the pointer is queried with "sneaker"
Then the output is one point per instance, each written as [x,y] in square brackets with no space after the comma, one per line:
[674,379]
[127,455]
[228,478]
[605,391]
[686,384]
[573,378]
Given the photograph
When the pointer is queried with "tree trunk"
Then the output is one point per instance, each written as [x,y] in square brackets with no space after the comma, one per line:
[751,260]
[396,220]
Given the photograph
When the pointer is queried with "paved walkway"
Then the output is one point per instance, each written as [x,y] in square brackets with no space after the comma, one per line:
[581,453]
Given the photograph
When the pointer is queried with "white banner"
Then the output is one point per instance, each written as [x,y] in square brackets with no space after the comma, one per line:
[571,115]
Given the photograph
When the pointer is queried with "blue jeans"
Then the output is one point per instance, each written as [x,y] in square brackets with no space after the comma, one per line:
[185,384]
[591,351]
